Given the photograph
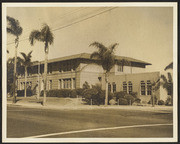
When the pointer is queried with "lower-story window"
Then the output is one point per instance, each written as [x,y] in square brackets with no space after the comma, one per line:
[114,87]
[149,87]
[59,84]
[125,87]
[74,83]
[143,88]
[67,83]
[109,87]
[130,86]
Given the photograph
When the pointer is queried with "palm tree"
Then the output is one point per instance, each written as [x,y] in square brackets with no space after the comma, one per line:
[170,66]
[155,86]
[10,73]
[26,62]
[46,36]
[107,60]
[15,29]
[167,84]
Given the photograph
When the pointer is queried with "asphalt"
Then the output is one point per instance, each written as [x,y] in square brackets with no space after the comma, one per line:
[29,121]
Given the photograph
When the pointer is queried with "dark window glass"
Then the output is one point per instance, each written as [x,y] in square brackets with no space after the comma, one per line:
[143,88]
[125,87]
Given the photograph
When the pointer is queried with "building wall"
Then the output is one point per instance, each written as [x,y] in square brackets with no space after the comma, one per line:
[136,82]
[84,70]
[92,73]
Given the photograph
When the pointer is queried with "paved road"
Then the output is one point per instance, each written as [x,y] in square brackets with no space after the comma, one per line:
[27,122]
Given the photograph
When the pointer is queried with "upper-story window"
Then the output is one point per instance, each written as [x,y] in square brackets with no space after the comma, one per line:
[120,68]
[130,87]
[100,79]
[125,87]
[49,68]
[149,87]
[143,88]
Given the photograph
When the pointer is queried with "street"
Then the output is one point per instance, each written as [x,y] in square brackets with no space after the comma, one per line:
[97,123]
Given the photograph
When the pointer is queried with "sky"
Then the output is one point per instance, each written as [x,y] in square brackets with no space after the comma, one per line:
[144,33]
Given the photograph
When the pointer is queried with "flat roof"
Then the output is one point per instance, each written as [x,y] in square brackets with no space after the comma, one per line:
[87,56]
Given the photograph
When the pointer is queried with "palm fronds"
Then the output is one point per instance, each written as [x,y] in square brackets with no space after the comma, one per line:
[170,66]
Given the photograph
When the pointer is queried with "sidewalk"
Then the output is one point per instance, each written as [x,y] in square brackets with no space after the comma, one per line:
[76,104]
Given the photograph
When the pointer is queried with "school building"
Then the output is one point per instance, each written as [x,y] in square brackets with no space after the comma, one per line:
[71,72]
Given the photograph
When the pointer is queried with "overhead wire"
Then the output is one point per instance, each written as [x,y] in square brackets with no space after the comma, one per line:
[68,25]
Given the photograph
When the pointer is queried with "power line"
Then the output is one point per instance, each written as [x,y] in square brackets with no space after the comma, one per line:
[56,29]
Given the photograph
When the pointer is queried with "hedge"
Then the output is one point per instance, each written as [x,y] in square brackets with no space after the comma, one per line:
[61,93]
[20,93]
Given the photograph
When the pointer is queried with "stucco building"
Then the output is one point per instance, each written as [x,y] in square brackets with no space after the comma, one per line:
[71,72]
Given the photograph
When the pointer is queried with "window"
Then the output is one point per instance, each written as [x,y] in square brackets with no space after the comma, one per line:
[21,86]
[109,87]
[149,87]
[130,87]
[170,89]
[67,83]
[99,78]
[120,68]
[143,88]
[50,84]
[125,87]
[60,69]
[114,87]
[74,83]
[49,68]
[59,84]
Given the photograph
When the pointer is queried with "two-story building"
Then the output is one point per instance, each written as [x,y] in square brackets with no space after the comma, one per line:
[71,72]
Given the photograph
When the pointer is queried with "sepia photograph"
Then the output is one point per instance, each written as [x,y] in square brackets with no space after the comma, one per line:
[89,72]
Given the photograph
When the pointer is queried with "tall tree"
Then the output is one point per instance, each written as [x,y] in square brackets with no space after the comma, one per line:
[107,60]
[45,35]
[170,66]
[167,84]
[14,28]
[26,62]
[10,73]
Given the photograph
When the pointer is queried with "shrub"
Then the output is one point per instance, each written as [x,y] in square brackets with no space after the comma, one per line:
[60,93]
[21,92]
[168,101]
[134,94]
[112,102]
[86,85]
[155,100]
[137,100]
[130,99]
[160,102]
[120,94]
[123,101]
[79,91]
[96,94]
[73,93]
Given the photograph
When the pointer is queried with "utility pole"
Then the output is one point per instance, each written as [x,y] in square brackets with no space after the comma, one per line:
[38,80]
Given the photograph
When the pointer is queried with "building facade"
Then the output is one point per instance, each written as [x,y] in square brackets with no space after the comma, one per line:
[72,72]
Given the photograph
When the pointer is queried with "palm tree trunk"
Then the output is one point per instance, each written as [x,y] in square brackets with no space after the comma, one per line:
[45,75]
[106,96]
[25,79]
[14,75]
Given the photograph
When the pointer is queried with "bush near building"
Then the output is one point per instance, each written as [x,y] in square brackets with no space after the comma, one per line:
[126,99]
[161,102]
[95,95]
[61,93]
[20,93]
